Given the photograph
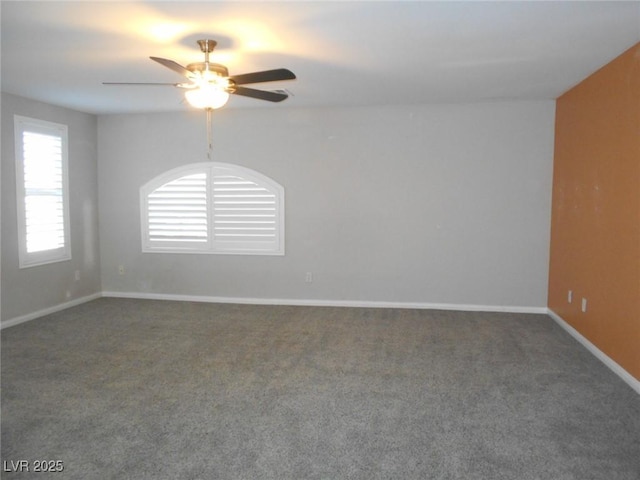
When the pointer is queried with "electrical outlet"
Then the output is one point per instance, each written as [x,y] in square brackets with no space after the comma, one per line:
[121,269]
[570,296]
[584,304]
[308,278]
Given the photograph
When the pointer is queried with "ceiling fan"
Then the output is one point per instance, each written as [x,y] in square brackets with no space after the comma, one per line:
[209,84]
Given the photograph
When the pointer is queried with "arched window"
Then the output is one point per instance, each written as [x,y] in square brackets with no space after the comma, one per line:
[212,207]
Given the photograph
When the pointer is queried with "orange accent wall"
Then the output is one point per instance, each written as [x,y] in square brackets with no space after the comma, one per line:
[595,219]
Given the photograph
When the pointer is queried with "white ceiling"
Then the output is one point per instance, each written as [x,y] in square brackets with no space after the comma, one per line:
[343,53]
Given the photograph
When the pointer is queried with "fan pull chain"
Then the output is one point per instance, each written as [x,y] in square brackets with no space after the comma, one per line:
[209,134]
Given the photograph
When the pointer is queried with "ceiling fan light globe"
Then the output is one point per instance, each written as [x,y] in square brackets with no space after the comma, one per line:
[207,96]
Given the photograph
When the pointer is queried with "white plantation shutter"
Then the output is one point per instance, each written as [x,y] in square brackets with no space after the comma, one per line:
[177,211]
[245,212]
[213,208]
[43,211]
[43,185]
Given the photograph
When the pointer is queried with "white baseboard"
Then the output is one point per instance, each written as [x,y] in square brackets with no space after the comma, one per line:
[274,301]
[328,303]
[604,358]
[46,311]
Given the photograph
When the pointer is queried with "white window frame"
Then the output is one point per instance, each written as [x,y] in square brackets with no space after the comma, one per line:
[217,241]
[33,258]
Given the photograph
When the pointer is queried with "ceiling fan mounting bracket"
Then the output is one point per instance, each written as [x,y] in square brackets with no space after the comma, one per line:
[207,46]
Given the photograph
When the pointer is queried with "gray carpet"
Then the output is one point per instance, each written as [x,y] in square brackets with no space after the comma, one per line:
[132,389]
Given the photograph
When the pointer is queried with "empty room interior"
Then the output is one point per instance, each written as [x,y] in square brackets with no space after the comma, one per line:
[291,240]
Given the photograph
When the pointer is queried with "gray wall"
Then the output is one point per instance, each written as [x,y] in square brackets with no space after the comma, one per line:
[29,290]
[418,204]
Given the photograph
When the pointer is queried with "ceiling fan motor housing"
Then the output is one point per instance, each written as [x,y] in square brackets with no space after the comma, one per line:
[200,67]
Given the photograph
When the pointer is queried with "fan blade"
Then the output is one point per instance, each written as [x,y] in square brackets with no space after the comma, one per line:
[170,64]
[266,76]
[260,94]
[140,83]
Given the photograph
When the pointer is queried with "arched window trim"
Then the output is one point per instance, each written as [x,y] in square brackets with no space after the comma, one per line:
[257,229]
